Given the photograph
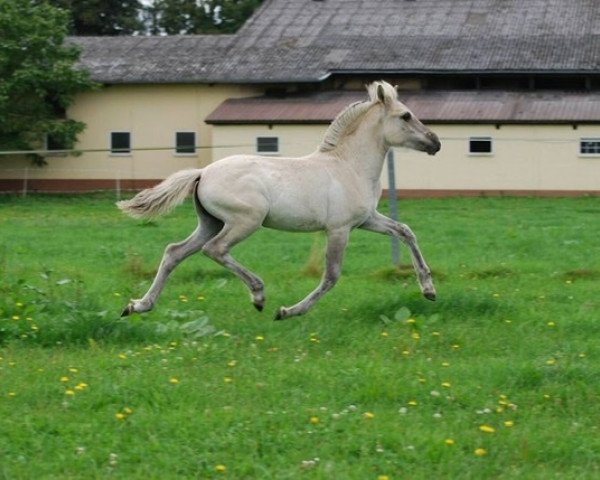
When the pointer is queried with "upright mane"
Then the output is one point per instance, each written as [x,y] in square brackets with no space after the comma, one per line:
[346,119]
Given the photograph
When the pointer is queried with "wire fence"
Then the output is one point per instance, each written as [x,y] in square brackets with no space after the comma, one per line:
[118,175]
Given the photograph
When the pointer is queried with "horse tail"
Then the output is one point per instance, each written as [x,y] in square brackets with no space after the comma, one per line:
[163,197]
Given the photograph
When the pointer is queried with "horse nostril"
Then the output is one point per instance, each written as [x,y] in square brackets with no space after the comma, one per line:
[433,138]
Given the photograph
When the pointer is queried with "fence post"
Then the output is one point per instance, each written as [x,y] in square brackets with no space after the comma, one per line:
[25,181]
[393,202]
[118,184]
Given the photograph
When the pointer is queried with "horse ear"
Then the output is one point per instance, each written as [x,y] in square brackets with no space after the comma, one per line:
[380,93]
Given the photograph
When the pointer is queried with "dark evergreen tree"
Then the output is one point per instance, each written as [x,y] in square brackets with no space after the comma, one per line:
[208,16]
[103,17]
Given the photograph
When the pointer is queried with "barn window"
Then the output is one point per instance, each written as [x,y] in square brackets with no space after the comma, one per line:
[267,144]
[120,143]
[480,145]
[185,143]
[589,146]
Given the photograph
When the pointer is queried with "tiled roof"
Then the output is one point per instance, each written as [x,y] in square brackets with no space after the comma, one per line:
[172,59]
[435,107]
[308,40]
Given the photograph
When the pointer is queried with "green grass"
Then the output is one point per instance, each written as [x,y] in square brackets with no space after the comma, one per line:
[370,384]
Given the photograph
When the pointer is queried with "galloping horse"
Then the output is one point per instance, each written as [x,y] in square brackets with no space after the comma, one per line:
[335,189]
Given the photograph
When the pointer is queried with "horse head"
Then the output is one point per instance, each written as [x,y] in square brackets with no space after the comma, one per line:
[401,127]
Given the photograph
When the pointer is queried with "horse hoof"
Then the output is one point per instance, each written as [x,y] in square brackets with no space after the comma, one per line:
[127,311]
[259,306]
[429,296]
[281,314]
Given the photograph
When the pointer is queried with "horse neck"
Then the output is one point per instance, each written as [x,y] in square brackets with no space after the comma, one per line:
[365,147]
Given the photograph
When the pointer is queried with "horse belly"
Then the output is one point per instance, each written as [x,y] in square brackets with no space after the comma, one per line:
[296,213]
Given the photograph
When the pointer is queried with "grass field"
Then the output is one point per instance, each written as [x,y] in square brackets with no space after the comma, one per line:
[500,378]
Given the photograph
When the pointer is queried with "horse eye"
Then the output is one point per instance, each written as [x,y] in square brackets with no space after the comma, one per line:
[406,116]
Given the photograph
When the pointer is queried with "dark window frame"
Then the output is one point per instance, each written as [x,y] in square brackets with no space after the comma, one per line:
[477,146]
[116,149]
[589,147]
[271,143]
[182,147]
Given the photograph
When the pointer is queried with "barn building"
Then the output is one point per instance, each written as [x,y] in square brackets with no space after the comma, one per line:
[511,87]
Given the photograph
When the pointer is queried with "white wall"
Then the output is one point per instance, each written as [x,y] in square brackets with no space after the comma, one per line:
[525,157]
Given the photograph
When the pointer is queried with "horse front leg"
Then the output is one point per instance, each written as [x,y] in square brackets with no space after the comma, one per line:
[336,245]
[382,224]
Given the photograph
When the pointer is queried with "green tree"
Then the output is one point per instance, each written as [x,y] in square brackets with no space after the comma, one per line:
[38,80]
[102,17]
[176,17]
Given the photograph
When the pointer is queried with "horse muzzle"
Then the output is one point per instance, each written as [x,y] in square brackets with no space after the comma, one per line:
[433,146]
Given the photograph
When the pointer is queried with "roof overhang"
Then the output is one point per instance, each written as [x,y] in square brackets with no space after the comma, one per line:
[478,106]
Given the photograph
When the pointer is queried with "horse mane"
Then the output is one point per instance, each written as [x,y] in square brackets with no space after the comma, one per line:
[345,121]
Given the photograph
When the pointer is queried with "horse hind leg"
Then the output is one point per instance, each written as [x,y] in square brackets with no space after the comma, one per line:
[174,254]
[218,250]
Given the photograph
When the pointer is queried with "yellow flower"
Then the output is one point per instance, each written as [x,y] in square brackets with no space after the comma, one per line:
[228,379]
[383,477]
[120,416]
[69,392]
[174,380]
[412,403]
[446,384]
[220,469]
[415,336]
[64,379]
[445,364]
[81,386]
[259,338]
[314,420]
[411,321]
[509,423]
[16,317]
[369,415]
[551,361]
[12,394]
[480,452]
[551,324]
[487,429]
[122,356]
[384,334]
[231,363]
[127,410]
[449,442]
[73,370]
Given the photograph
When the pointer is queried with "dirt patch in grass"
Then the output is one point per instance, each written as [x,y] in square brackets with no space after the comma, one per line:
[581,274]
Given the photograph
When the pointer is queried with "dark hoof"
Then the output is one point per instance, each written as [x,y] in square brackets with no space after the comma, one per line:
[259,306]
[126,312]
[429,296]
[280,315]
